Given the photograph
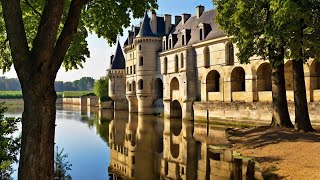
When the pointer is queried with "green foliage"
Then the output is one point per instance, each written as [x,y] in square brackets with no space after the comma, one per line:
[269,28]
[101,89]
[61,166]
[106,18]
[9,145]
[70,94]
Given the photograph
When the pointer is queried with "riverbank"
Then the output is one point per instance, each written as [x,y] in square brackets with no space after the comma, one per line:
[282,153]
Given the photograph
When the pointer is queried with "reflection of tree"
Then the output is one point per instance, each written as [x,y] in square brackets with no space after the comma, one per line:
[101,124]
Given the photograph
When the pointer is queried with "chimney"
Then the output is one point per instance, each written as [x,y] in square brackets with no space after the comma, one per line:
[185,17]
[111,59]
[167,21]
[200,10]
[153,23]
[177,19]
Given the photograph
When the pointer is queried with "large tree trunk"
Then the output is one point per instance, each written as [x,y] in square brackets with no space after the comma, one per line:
[302,121]
[38,127]
[280,114]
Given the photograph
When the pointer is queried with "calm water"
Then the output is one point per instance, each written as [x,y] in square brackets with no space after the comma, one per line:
[84,137]
[141,146]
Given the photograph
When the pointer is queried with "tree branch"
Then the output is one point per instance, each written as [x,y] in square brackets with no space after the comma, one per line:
[67,34]
[16,33]
[30,5]
[45,39]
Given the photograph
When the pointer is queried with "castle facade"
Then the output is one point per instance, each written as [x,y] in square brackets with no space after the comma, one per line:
[167,67]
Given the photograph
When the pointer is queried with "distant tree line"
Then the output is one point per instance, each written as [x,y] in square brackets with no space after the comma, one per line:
[84,84]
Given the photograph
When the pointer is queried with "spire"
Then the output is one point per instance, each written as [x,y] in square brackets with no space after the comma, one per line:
[145,30]
[118,61]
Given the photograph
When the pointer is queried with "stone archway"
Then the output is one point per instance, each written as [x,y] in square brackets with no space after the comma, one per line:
[213,81]
[315,80]
[238,82]
[264,82]
[288,75]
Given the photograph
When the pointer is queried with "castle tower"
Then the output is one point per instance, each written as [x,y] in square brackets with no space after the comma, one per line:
[140,80]
[117,80]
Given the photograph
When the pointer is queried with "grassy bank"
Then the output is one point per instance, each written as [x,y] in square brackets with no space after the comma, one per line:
[18,94]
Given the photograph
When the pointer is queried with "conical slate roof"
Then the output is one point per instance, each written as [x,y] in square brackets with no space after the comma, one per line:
[118,61]
[145,29]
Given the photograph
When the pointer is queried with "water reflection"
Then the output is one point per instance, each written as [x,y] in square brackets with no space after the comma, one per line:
[147,147]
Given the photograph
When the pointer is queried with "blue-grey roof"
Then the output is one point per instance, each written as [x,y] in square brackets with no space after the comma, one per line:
[145,29]
[118,61]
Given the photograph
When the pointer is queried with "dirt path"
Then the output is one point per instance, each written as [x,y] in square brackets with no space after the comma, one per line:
[289,154]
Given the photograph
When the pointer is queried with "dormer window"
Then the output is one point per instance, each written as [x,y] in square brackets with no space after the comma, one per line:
[164,43]
[185,36]
[204,30]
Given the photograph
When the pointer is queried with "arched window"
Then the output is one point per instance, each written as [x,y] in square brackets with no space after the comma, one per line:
[165,65]
[133,86]
[181,61]
[229,53]
[140,84]
[176,63]
[238,82]
[206,57]
[129,86]
[141,61]
[213,81]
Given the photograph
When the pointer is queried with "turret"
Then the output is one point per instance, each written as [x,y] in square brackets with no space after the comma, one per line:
[147,44]
[117,79]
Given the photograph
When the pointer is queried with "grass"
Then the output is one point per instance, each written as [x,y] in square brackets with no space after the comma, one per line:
[10,94]
[70,94]
[18,94]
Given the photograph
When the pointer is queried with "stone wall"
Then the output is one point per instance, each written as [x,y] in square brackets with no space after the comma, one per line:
[20,101]
[241,113]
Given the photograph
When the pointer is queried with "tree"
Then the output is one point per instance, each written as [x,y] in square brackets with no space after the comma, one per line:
[101,88]
[38,53]
[250,24]
[299,24]
[9,145]
[61,166]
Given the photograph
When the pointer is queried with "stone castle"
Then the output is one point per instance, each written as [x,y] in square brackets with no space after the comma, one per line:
[169,67]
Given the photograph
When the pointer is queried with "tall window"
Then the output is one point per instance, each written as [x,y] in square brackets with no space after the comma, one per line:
[181,61]
[165,65]
[140,84]
[141,61]
[206,57]
[201,34]
[130,69]
[229,53]
[140,47]
[183,40]
[176,63]
[134,69]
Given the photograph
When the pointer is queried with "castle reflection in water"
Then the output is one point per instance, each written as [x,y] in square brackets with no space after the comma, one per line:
[149,147]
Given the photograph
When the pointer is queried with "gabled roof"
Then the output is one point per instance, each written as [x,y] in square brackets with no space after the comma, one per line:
[145,29]
[192,24]
[118,61]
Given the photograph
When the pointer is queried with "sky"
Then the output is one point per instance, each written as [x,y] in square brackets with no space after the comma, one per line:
[100,51]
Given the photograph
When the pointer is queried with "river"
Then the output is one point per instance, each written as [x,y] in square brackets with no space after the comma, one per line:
[120,145]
